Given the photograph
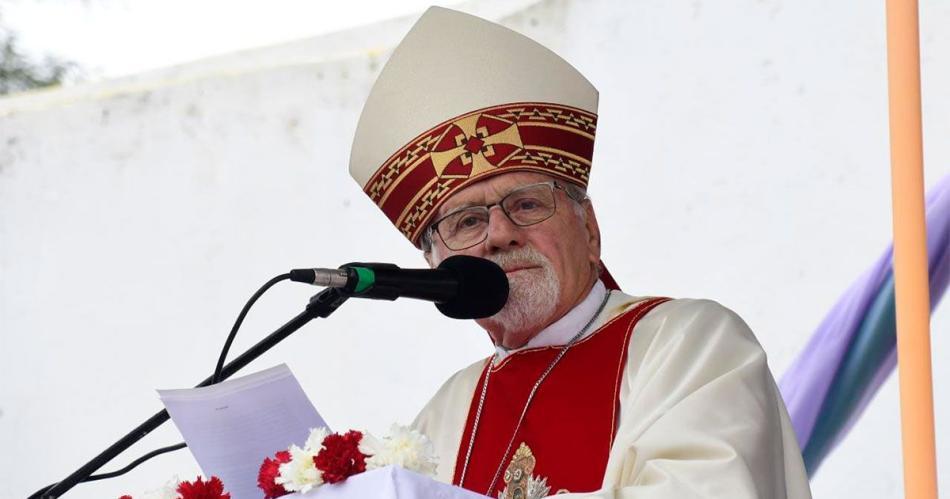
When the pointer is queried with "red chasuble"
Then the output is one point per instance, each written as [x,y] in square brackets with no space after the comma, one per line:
[572,420]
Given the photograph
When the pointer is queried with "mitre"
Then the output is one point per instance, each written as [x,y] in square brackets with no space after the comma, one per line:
[460,100]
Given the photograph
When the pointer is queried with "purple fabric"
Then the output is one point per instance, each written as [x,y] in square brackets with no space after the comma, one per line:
[938,254]
[805,384]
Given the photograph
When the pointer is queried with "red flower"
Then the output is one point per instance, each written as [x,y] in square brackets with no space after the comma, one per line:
[340,457]
[126,497]
[270,468]
[212,489]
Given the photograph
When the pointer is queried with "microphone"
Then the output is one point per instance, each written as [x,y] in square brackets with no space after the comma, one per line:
[462,287]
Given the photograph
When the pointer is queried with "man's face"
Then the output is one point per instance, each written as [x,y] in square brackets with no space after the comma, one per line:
[551,265]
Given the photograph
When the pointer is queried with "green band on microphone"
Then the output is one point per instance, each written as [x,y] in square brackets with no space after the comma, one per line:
[365,279]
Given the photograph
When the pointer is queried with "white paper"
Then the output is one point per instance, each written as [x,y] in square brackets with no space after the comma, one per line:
[232,426]
[391,482]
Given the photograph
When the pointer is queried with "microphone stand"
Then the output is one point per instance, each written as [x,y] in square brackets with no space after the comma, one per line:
[321,305]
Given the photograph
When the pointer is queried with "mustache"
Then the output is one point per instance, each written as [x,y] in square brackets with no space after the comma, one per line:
[524,256]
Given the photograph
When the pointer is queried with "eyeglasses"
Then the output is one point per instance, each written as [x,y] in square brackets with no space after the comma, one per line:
[528,205]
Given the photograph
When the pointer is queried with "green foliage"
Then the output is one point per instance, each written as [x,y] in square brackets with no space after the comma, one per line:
[18,72]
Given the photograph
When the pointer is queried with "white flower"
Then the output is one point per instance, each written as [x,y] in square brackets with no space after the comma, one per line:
[166,491]
[315,440]
[403,447]
[370,446]
[300,474]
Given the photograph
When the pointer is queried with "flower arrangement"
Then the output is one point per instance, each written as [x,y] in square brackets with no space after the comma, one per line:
[324,458]
[333,457]
[198,489]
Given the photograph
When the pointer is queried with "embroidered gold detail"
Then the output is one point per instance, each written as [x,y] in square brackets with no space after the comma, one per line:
[383,180]
[410,156]
[474,146]
[481,141]
[519,482]
[556,162]
[575,120]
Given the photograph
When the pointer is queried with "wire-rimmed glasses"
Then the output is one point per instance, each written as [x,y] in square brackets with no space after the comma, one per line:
[468,226]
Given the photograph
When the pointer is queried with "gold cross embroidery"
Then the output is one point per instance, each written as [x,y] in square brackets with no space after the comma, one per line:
[474,146]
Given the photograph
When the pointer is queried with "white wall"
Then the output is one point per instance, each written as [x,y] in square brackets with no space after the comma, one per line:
[742,155]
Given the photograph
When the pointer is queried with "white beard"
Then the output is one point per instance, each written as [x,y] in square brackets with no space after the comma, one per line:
[533,294]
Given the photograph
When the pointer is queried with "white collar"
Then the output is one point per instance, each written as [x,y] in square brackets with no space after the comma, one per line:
[563,329]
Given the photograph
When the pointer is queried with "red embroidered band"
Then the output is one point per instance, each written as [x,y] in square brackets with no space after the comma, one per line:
[547,138]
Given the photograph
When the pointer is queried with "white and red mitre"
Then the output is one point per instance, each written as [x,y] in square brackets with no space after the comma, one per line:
[462,99]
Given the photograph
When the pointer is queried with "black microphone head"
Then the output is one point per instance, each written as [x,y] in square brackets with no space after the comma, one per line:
[483,288]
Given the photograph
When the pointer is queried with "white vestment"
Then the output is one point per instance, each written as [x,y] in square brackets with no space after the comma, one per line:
[700,414]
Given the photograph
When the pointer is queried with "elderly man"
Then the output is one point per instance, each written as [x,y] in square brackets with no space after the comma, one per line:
[476,140]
